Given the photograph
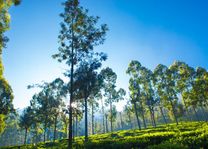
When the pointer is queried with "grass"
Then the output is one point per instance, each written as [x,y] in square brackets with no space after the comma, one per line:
[187,135]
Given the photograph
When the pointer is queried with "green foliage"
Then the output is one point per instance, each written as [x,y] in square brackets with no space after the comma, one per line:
[184,136]
[2,123]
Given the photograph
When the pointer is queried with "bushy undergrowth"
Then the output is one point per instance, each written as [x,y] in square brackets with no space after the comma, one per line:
[187,135]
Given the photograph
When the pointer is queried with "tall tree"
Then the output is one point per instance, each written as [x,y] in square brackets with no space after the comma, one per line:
[26,120]
[112,95]
[49,100]
[79,34]
[88,81]
[135,89]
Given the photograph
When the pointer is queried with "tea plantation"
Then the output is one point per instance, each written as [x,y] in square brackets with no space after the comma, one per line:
[187,135]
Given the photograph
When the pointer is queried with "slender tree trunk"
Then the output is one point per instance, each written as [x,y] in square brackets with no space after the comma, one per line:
[86,121]
[121,120]
[73,128]
[54,133]
[45,125]
[71,87]
[187,110]
[143,118]
[76,124]
[136,112]
[106,122]
[204,115]
[48,133]
[153,117]
[66,130]
[111,117]
[103,115]
[161,110]
[195,112]
[92,119]
[129,115]
[173,111]
[25,140]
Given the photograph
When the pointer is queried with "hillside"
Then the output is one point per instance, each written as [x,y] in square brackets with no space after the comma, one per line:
[187,135]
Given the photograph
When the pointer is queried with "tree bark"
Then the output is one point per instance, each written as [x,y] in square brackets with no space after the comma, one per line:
[173,111]
[103,115]
[86,121]
[111,117]
[136,113]
[45,125]
[195,112]
[25,140]
[76,124]
[161,110]
[54,133]
[71,87]
[129,115]
[153,117]
[143,118]
[121,120]
[106,122]
[73,128]
[92,119]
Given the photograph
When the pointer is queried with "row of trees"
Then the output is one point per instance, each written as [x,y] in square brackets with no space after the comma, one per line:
[79,34]
[167,93]
[179,90]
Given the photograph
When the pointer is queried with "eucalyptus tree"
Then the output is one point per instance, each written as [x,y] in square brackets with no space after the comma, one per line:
[183,76]
[160,85]
[93,101]
[135,89]
[79,34]
[103,114]
[128,110]
[88,81]
[199,91]
[49,100]
[112,95]
[146,83]
[26,120]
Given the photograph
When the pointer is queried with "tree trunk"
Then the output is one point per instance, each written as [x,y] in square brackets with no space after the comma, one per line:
[76,124]
[73,128]
[161,110]
[92,120]
[71,87]
[48,133]
[25,140]
[136,113]
[121,121]
[143,118]
[111,117]
[196,115]
[44,137]
[204,115]
[187,111]
[153,117]
[86,121]
[103,115]
[129,115]
[54,133]
[106,122]
[173,111]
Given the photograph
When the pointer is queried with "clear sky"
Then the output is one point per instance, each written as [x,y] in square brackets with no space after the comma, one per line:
[150,31]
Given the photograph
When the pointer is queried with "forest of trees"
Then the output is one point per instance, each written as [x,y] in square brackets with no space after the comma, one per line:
[86,104]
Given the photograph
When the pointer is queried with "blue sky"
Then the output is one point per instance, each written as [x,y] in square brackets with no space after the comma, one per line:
[149,31]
